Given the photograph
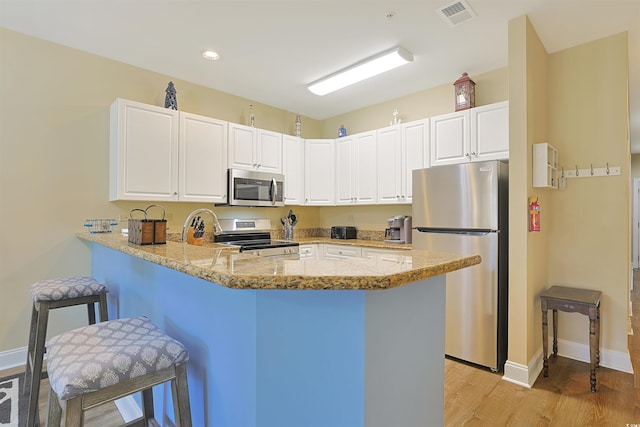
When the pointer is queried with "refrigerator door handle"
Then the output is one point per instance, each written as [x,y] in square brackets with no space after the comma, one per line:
[467,231]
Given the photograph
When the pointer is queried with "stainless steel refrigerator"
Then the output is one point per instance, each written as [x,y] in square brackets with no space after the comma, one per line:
[464,209]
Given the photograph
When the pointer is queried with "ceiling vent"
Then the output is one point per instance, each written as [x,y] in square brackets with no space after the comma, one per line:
[456,13]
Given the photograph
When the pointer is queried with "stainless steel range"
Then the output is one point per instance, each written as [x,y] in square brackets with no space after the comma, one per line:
[254,237]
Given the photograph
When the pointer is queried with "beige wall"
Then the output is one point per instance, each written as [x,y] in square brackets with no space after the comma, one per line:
[527,250]
[589,221]
[576,100]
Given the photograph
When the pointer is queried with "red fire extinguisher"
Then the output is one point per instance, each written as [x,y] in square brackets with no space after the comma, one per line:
[534,214]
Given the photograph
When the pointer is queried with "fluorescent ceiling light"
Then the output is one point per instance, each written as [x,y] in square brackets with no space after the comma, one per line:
[370,67]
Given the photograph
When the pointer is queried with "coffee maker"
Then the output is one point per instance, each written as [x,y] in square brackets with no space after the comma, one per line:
[399,229]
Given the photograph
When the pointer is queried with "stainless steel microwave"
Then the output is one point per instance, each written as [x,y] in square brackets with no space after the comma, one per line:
[255,189]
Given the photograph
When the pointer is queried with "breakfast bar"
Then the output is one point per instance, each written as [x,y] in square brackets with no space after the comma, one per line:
[291,342]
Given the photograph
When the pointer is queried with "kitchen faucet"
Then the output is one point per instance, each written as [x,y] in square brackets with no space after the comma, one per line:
[217,229]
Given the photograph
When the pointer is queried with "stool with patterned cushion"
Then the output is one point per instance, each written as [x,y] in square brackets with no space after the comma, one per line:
[99,363]
[47,295]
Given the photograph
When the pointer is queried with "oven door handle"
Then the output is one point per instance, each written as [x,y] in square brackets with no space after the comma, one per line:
[274,191]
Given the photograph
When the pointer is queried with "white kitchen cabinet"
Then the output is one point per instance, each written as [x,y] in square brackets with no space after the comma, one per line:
[390,255]
[490,132]
[477,134]
[401,149]
[143,160]
[159,154]
[450,138]
[319,172]
[330,251]
[545,166]
[255,149]
[389,164]
[202,154]
[415,154]
[356,169]
[293,169]
[308,251]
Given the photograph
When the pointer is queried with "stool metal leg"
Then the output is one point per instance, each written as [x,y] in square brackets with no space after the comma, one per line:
[180,394]
[148,412]
[32,344]
[102,307]
[38,355]
[54,410]
[74,416]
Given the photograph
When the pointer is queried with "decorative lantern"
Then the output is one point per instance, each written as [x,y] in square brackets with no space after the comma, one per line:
[465,91]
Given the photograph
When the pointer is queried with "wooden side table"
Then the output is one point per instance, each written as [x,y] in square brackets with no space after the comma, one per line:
[572,300]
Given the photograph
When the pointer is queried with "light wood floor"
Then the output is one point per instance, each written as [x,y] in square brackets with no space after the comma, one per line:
[478,397]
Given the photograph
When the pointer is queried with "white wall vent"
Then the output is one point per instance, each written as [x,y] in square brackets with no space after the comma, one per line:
[456,13]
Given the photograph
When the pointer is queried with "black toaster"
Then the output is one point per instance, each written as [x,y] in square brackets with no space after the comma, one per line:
[343,232]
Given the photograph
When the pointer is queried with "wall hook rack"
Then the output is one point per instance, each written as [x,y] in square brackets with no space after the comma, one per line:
[591,171]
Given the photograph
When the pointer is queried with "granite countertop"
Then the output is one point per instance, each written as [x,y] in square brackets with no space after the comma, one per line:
[224,265]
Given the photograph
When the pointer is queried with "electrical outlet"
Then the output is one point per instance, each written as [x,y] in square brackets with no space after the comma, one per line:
[169,216]
[123,217]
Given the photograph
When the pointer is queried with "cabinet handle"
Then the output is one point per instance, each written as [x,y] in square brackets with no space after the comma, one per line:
[474,154]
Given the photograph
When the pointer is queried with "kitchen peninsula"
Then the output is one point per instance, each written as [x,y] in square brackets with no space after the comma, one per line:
[288,342]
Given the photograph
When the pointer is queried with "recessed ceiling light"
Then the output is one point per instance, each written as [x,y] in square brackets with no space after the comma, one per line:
[210,55]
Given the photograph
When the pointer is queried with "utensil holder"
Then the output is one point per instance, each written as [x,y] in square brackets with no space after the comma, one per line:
[102,225]
[147,231]
[288,232]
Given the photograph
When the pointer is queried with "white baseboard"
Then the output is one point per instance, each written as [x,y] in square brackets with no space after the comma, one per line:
[526,375]
[13,358]
[617,360]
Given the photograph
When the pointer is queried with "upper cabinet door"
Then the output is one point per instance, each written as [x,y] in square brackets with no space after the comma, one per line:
[269,151]
[365,168]
[415,154]
[319,172]
[254,149]
[345,191]
[389,149]
[450,138]
[203,159]
[143,152]
[293,169]
[241,149]
[490,131]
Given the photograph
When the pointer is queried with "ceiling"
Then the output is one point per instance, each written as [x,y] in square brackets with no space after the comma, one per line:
[272,49]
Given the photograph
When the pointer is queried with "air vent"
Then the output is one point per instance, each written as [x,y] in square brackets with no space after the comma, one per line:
[456,13]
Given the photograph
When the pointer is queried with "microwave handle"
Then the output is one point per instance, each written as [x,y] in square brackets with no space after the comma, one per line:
[274,191]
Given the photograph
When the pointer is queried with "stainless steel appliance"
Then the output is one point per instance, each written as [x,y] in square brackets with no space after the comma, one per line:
[464,209]
[254,189]
[343,232]
[254,237]
[399,229]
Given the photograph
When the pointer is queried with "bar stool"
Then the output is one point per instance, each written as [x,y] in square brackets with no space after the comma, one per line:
[99,363]
[47,295]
